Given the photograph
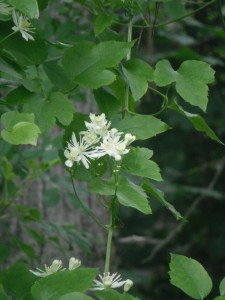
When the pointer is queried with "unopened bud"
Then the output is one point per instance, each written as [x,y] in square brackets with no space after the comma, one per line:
[74,263]
[128,284]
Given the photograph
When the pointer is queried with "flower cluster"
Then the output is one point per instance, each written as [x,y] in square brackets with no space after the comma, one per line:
[97,141]
[113,281]
[57,266]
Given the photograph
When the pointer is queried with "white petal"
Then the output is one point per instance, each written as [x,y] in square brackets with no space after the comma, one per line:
[69,163]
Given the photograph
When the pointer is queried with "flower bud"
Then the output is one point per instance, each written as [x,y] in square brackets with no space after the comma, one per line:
[128,284]
[74,263]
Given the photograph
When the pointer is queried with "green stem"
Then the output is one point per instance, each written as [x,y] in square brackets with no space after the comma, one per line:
[111,226]
[8,36]
[165,101]
[221,13]
[129,39]
[85,209]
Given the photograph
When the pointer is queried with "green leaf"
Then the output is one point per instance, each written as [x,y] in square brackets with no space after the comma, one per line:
[192,79]
[137,162]
[142,126]
[219,298]
[197,121]
[19,128]
[58,76]
[86,63]
[26,53]
[75,296]
[114,295]
[189,275]
[138,73]
[57,106]
[128,193]
[59,284]
[159,195]
[107,103]
[3,295]
[102,22]
[19,96]
[17,281]
[26,7]
[222,287]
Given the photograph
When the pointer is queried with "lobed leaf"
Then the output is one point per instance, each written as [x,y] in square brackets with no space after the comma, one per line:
[192,79]
[138,73]
[86,63]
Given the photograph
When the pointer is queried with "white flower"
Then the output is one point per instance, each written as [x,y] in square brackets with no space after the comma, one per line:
[22,25]
[55,267]
[111,146]
[77,151]
[5,9]
[98,124]
[109,281]
[74,263]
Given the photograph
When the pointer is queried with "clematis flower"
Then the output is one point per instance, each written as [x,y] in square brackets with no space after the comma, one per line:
[77,152]
[112,146]
[111,282]
[55,267]
[22,25]
[98,124]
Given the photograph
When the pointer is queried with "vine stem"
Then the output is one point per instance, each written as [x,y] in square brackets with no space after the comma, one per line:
[85,209]
[111,226]
[8,36]
[129,39]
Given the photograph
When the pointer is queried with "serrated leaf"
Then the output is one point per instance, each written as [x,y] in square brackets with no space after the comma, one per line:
[128,193]
[57,106]
[137,162]
[19,128]
[159,195]
[75,296]
[102,22]
[138,73]
[19,96]
[222,287]
[142,126]
[58,284]
[189,275]
[86,63]
[26,7]
[192,79]
[197,121]
[114,295]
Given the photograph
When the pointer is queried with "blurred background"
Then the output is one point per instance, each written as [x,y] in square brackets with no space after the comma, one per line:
[41,218]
